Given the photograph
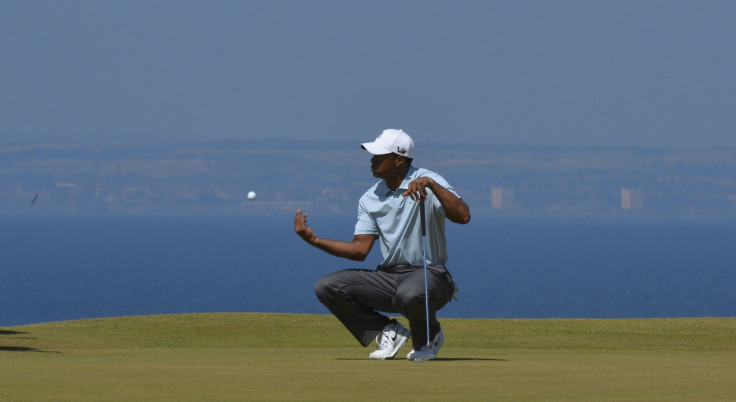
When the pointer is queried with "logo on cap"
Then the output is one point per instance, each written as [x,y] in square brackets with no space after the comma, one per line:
[400,150]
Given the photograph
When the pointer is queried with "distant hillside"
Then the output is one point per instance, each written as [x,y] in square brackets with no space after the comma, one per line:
[330,176]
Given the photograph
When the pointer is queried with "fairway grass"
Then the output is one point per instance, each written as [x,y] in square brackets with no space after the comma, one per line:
[231,356]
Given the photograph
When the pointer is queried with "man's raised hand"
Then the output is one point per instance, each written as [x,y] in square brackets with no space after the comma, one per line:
[301,228]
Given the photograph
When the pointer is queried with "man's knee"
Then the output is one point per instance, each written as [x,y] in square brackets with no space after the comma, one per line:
[406,297]
[328,285]
[411,296]
[323,287]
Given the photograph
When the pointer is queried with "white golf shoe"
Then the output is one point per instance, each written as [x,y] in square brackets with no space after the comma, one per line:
[428,353]
[390,341]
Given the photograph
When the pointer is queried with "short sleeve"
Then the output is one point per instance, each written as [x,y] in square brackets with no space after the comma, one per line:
[365,224]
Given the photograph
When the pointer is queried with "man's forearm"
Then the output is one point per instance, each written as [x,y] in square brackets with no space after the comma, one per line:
[356,250]
[336,248]
[456,209]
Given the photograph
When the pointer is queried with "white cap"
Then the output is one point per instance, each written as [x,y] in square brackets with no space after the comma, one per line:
[391,141]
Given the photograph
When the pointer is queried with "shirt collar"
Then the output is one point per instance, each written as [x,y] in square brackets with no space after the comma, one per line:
[404,183]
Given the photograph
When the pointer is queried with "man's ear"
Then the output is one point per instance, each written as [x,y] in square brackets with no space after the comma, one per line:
[400,160]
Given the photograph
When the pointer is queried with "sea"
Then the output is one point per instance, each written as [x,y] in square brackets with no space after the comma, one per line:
[56,268]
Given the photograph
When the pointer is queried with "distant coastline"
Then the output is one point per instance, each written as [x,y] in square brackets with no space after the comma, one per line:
[216,176]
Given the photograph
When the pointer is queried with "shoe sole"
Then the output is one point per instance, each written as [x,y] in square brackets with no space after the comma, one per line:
[424,358]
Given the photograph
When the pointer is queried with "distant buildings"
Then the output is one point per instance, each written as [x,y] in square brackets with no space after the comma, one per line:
[631,199]
[502,198]
[215,177]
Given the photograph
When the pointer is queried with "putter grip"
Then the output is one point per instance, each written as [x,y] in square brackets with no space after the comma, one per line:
[421,217]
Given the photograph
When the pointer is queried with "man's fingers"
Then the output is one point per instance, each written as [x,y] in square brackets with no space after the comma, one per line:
[415,195]
[417,189]
[300,221]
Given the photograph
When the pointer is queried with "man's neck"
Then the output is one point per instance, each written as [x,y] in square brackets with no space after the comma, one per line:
[394,182]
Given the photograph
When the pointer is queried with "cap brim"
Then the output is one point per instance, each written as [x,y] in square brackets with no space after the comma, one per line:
[375,148]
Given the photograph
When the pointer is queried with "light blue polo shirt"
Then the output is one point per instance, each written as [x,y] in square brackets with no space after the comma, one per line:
[395,220]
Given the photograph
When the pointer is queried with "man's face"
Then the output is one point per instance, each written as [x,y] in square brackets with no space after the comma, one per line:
[383,166]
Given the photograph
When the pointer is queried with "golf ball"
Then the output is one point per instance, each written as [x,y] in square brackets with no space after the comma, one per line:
[252,195]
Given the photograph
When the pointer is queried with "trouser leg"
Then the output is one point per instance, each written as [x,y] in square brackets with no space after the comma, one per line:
[353,296]
[410,302]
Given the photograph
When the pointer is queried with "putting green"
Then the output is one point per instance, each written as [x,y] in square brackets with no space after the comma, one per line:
[311,357]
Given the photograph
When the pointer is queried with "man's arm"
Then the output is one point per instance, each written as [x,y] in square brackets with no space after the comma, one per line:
[456,210]
[356,250]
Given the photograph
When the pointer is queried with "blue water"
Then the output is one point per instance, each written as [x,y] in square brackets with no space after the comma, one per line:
[59,268]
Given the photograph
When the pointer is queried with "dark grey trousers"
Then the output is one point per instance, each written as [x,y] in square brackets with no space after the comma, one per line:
[355,297]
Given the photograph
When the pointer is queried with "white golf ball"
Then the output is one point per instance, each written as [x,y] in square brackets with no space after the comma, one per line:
[252,195]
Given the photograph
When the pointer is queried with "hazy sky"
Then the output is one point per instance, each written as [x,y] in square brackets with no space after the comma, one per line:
[642,73]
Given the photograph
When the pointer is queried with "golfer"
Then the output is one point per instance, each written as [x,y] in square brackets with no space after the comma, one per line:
[389,212]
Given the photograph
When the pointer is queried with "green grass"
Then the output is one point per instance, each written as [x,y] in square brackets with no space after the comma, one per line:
[311,357]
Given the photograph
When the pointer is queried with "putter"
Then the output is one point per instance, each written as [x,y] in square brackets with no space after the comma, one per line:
[424,258]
